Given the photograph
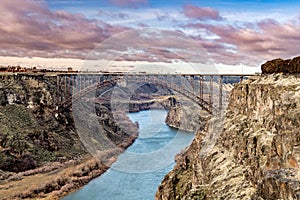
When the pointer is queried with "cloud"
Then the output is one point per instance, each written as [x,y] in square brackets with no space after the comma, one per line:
[112,14]
[129,3]
[150,45]
[143,25]
[31,29]
[162,17]
[201,13]
[250,43]
[268,40]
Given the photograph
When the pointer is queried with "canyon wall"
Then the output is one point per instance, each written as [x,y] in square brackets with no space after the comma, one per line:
[30,127]
[253,152]
[36,140]
[188,118]
[30,134]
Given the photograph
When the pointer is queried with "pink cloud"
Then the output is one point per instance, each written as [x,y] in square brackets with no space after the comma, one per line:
[250,43]
[31,29]
[129,3]
[150,45]
[201,13]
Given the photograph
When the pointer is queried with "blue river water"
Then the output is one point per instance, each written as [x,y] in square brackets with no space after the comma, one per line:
[138,171]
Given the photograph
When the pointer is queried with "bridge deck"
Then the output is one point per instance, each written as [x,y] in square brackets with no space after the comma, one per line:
[117,74]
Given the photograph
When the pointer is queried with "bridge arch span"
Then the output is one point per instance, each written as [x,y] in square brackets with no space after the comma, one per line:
[112,81]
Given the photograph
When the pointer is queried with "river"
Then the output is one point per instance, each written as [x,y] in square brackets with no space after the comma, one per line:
[138,171]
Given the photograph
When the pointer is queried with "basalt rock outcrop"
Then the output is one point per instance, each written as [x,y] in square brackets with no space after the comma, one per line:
[30,135]
[253,153]
[35,140]
[291,66]
[188,118]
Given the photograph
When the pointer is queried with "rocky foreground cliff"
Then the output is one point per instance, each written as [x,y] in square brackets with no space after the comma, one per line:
[41,155]
[253,152]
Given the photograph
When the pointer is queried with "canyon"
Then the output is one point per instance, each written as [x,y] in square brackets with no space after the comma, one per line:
[249,152]
[41,155]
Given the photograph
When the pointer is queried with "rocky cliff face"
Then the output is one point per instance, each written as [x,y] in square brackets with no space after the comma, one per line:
[30,135]
[35,141]
[253,153]
[187,118]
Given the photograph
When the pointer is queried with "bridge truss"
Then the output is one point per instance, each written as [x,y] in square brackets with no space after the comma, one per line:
[204,90]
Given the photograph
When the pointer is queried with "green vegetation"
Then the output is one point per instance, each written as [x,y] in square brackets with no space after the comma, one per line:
[30,135]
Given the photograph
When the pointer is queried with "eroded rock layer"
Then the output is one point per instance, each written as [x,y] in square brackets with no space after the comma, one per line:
[41,153]
[186,118]
[257,149]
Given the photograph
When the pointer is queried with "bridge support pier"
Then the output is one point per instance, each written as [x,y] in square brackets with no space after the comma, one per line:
[74,84]
[201,88]
[58,95]
[211,92]
[78,83]
[65,86]
[69,85]
[220,92]
[192,78]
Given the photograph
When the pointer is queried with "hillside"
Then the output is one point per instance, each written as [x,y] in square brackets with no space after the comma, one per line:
[41,153]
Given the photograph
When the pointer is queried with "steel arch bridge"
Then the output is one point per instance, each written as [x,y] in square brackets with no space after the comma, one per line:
[72,87]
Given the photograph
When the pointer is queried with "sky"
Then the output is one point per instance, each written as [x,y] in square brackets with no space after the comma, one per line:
[230,36]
